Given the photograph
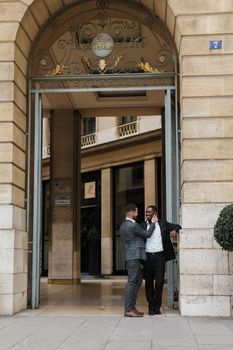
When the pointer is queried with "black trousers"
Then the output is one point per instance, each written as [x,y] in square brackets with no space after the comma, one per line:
[154,275]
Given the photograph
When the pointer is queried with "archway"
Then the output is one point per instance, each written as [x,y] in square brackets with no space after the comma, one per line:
[204,94]
[56,68]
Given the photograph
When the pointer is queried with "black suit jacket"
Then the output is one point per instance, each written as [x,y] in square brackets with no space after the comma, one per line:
[165,228]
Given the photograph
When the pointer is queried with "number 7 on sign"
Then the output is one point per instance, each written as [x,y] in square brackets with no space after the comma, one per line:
[215,44]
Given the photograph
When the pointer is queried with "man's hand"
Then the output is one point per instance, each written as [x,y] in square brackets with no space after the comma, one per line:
[154,219]
[173,234]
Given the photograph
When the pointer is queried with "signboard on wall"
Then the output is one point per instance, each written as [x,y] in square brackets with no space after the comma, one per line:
[215,44]
[89,190]
[62,190]
[62,200]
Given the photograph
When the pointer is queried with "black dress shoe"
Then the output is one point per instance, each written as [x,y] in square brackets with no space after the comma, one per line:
[154,312]
[151,312]
[157,312]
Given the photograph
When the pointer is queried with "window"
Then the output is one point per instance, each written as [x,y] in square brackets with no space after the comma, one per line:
[127,120]
[89,125]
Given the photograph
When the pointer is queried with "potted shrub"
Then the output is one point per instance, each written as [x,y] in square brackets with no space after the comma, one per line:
[223,229]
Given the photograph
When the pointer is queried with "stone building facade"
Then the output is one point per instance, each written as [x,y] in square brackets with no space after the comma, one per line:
[206,102]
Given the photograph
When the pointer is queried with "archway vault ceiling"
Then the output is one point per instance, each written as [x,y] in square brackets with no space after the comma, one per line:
[143,102]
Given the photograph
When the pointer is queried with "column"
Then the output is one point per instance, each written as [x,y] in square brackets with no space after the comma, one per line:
[106,222]
[64,247]
[150,182]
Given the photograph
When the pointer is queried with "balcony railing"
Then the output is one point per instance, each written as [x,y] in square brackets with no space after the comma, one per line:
[88,140]
[46,152]
[125,130]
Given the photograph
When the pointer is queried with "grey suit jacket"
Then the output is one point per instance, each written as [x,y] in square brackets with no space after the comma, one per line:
[133,239]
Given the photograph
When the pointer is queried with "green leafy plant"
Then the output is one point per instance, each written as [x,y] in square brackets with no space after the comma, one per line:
[223,229]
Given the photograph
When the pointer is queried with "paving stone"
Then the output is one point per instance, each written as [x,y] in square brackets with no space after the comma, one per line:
[228,323]
[221,339]
[175,347]
[128,346]
[175,340]
[6,321]
[114,332]
[200,325]
[215,347]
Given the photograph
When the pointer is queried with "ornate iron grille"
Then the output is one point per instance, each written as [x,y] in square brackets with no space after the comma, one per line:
[105,45]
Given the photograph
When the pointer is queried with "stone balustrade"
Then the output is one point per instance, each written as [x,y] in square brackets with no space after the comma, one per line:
[88,140]
[125,130]
[46,152]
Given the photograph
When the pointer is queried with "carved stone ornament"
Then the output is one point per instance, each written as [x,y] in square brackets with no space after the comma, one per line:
[107,82]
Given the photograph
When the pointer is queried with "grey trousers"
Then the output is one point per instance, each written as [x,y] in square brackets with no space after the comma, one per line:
[133,284]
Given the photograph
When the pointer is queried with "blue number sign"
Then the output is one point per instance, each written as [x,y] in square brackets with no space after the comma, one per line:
[215,44]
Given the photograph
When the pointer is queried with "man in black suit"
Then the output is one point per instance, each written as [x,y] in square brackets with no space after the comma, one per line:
[159,249]
[133,238]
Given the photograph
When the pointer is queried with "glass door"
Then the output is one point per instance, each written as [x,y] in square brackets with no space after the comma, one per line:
[91,224]
[128,185]
[45,228]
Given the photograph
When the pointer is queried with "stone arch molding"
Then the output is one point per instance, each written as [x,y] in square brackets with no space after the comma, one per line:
[35,16]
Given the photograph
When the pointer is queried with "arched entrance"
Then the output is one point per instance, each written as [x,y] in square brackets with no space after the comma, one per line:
[99,47]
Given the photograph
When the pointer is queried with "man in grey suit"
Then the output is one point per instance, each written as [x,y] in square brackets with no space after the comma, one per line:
[133,238]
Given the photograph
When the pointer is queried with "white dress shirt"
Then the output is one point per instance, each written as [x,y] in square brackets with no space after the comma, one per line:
[130,219]
[154,244]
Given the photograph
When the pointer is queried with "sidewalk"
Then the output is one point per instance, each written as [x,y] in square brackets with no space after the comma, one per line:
[88,316]
[115,333]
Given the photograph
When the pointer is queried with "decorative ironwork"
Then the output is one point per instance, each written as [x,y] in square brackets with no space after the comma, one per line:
[146,67]
[102,16]
[102,65]
[59,69]
[102,4]
[75,52]
[54,25]
[152,21]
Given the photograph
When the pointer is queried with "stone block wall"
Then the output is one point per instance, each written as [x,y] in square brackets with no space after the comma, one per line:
[13,236]
[206,102]
[206,151]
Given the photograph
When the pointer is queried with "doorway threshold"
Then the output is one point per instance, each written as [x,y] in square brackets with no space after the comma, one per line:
[86,277]
[92,297]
